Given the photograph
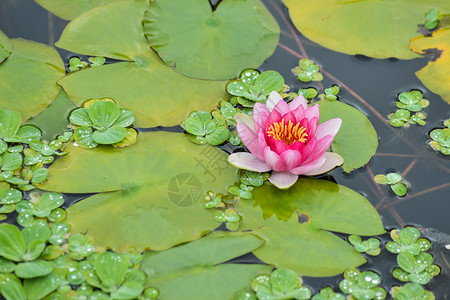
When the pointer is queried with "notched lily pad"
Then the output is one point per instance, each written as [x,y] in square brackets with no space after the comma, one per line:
[149,194]
[201,43]
[435,75]
[157,94]
[357,140]
[379,29]
[294,224]
[5,47]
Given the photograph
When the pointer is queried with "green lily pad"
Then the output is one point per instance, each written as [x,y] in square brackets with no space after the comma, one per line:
[357,140]
[201,43]
[156,94]
[435,75]
[295,225]
[192,270]
[149,193]
[379,29]
[5,47]
[53,120]
[68,9]
[32,69]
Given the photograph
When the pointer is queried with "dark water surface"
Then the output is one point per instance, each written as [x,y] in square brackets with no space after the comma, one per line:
[373,86]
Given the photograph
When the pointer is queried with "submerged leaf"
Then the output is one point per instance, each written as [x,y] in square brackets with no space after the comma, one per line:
[156,186]
[379,29]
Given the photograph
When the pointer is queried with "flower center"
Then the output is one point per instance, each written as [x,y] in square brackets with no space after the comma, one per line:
[288,133]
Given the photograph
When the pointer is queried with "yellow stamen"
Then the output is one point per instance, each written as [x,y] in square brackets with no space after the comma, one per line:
[288,133]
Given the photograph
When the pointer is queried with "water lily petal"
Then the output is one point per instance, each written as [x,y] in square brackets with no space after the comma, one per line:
[297,102]
[272,100]
[273,160]
[247,161]
[332,160]
[320,148]
[312,112]
[309,167]
[250,140]
[289,116]
[312,126]
[299,113]
[244,119]
[282,107]
[260,115]
[330,127]
[283,180]
[277,146]
[262,139]
[308,149]
[292,158]
[274,116]
[298,146]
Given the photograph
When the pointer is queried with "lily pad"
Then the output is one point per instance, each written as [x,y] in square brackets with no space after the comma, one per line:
[295,224]
[150,194]
[218,44]
[357,140]
[53,120]
[379,29]
[191,271]
[435,75]
[157,94]
[69,9]
[5,47]
[28,78]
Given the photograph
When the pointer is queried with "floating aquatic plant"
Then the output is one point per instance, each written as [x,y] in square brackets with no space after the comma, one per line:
[409,102]
[307,71]
[75,63]
[395,182]
[330,93]
[415,268]
[308,93]
[280,284]
[254,86]
[411,291]
[46,206]
[362,285]
[432,18]
[328,294]
[286,139]
[203,128]
[371,246]
[441,139]
[407,240]
[102,122]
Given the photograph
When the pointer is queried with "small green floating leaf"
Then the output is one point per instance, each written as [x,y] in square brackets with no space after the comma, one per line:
[186,36]
[294,224]
[83,136]
[111,135]
[33,269]
[13,245]
[103,113]
[11,287]
[9,124]
[357,140]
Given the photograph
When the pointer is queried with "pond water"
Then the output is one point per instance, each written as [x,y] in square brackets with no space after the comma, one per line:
[371,85]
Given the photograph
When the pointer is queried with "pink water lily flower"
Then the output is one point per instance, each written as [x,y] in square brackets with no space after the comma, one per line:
[286,139]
